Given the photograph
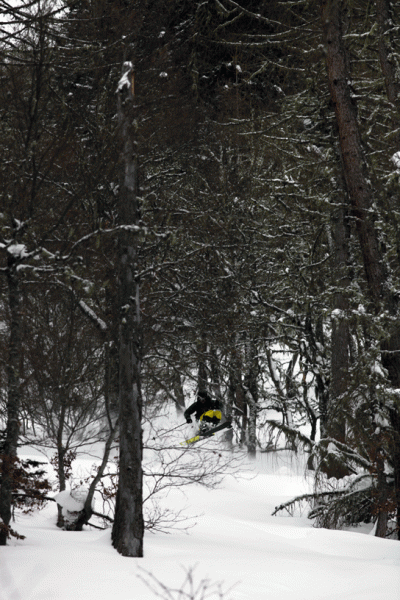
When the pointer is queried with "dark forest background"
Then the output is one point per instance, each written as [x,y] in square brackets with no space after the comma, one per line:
[262,230]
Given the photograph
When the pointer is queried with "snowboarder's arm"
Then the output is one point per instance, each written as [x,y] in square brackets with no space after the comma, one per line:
[189,411]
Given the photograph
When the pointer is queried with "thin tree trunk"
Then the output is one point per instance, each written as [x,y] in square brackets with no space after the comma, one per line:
[9,451]
[87,510]
[229,405]
[252,425]
[237,392]
[128,528]
[61,476]
[179,395]
[340,329]
[392,84]
[335,423]
[202,379]
[251,392]
[216,376]
[382,494]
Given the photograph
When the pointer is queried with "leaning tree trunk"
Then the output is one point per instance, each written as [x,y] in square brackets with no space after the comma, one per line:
[128,528]
[87,511]
[361,195]
[354,164]
[8,453]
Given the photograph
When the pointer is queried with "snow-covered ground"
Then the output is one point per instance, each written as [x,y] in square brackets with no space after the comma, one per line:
[235,542]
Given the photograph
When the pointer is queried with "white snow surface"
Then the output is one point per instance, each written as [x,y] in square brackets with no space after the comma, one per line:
[235,542]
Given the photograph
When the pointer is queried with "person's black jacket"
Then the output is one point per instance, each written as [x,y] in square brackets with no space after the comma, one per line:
[199,407]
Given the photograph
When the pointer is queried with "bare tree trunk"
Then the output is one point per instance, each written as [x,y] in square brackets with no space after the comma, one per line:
[9,451]
[87,510]
[395,422]
[335,423]
[251,391]
[354,166]
[216,376]
[361,196]
[236,391]
[252,425]
[382,495]
[392,84]
[202,379]
[61,475]
[128,528]
[179,396]
[391,359]
[229,407]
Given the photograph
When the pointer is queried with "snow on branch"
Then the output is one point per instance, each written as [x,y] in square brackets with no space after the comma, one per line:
[126,80]
[92,316]
[99,231]
[18,250]
[292,434]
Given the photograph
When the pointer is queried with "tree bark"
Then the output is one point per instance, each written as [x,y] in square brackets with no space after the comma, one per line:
[251,393]
[61,476]
[340,339]
[179,395]
[340,329]
[128,528]
[361,196]
[383,11]
[236,390]
[9,451]
[354,166]
[216,376]
[202,375]
[87,512]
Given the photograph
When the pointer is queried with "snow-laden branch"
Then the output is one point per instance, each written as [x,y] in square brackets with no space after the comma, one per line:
[100,231]
[126,79]
[92,316]
[20,252]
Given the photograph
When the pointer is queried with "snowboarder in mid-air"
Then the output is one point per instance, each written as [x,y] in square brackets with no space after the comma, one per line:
[208,414]
[203,404]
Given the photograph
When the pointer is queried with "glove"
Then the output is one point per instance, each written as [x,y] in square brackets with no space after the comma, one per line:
[188,420]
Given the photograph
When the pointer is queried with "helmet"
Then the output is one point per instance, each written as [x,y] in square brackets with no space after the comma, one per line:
[203,397]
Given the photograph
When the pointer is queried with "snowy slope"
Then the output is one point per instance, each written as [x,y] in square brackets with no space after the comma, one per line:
[235,541]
